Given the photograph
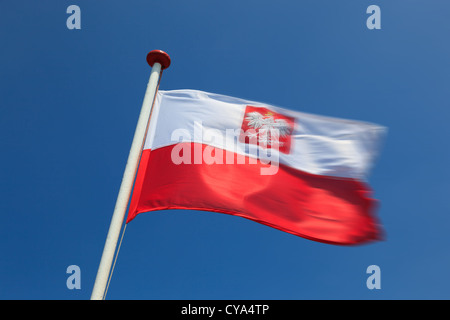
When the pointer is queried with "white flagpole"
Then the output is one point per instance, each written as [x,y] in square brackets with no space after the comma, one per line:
[158,60]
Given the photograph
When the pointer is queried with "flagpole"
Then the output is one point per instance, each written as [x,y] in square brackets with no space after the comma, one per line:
[158,60]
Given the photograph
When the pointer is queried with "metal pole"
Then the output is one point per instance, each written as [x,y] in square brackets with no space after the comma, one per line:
[158,60]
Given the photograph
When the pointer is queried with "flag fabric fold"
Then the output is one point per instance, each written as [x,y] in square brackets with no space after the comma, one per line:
[300,173]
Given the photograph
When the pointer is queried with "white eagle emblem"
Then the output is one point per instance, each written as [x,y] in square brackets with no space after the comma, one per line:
[268,130]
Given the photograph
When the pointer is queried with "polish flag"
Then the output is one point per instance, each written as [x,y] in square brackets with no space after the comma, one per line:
[300,173]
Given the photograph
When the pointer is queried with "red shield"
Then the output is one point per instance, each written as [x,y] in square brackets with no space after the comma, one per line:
[267,129]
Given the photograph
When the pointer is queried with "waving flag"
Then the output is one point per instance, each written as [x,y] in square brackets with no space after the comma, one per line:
[300,173]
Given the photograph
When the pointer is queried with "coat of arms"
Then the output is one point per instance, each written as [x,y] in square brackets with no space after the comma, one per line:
[266,128]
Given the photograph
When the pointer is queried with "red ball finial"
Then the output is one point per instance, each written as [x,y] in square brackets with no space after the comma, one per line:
[158,56]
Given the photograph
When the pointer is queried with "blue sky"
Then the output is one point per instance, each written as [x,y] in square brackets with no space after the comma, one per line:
[70,100]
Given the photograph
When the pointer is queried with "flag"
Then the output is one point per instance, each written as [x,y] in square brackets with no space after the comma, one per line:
[300,173]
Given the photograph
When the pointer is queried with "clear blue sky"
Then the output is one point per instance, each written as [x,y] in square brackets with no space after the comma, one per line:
[70,100]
